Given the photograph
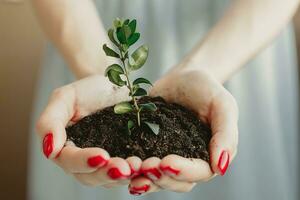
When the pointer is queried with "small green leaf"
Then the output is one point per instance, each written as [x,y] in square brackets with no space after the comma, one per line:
[141,80]
[121,35]
[114,67]
[139,57]
[109,52]
[126,21]
[130,125]
[115,78]
[133,38]
[117,23]
[148,106]
[110,34]
[153,127]
[134,89]
[132,25]
[124,47]
[127,31]
[123,107]
[140,92]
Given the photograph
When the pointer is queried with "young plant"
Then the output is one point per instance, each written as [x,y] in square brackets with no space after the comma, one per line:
[123,35]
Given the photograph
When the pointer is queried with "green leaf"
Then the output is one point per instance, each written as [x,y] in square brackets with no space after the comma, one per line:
[140,92]
[123,107]
[114,67]
[115,78]
[141,80]
[148,106]
[132,25]
[124,47]
[134,89]
[130,125]
[121,35]
[110,34]
[109,52]
[153,127]
[139,57]
[133,38]
[117,23]
[126,21]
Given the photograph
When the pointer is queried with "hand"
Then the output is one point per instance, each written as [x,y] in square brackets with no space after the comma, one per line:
[199,91]
[91,166]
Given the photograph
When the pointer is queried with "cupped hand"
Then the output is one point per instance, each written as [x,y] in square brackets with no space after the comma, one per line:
[199,91]
[91,166]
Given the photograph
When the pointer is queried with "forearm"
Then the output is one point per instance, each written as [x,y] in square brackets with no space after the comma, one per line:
[76,30]
[246,28]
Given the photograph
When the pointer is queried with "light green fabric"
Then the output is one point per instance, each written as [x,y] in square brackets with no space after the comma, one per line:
[268,161]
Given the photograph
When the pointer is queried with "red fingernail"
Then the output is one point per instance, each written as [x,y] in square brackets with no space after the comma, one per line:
[114,173]
[169,170]
[133,173]
[48,144]
[223,162]
[139,190]
[96,161]
[152,173]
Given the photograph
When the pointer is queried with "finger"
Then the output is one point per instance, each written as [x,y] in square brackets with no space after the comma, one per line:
[150,168]
[142,185]
[117,170]
[76,160]
[185,169]
[135,164]
[224,124]
[52,122]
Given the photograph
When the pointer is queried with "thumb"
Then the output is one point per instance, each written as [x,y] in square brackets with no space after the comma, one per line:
[223,145]
[52,122]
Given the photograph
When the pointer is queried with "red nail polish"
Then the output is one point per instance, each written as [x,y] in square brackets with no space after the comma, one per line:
[223,162]
[152,173]
[169,170]
[143,188]
[48,144]
[114,173]
[96,161]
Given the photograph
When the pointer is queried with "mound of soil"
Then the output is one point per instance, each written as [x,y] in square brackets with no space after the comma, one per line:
[180,132]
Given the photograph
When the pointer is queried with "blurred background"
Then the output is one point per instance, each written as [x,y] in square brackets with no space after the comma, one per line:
[21,51]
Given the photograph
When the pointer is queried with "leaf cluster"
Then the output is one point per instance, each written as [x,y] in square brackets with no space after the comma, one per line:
[123,35]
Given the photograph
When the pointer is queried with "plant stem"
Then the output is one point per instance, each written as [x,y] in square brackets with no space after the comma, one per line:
[137,109]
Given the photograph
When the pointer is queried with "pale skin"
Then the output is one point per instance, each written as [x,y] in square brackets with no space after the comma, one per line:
[196,82]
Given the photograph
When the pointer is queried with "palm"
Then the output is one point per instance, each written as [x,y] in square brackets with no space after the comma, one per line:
[200,92]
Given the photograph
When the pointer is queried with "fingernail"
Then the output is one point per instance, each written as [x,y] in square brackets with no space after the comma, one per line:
[114,173]
[139,190]
[223,162]
[169,170]
[96,161]
[152,173]
[48,144]
[133,173]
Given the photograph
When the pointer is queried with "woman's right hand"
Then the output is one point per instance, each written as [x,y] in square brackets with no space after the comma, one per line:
[91,166]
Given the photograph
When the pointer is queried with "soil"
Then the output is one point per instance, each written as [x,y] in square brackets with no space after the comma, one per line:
[180,132]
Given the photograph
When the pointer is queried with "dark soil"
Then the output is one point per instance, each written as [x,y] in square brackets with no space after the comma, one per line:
[180,132]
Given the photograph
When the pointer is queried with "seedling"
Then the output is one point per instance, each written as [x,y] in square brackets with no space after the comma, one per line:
[123,35]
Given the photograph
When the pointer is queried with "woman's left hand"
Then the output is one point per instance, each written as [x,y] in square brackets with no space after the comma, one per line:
[202,93]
